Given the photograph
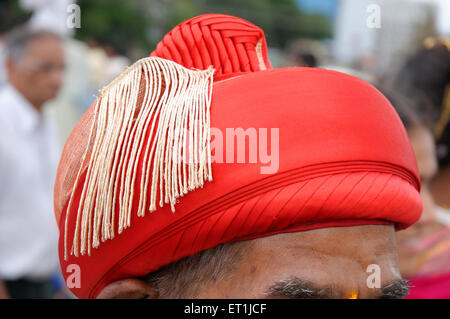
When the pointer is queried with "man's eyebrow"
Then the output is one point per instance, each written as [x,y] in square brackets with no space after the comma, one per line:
[295,287]
[396,290]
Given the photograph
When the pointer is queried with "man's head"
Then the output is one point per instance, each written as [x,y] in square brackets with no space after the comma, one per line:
[127,206]
[35,64]
[323,263]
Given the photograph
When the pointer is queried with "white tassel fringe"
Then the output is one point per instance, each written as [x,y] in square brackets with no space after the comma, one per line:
[175,113]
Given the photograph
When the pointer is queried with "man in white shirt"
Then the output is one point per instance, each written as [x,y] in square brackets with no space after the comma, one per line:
[29,154]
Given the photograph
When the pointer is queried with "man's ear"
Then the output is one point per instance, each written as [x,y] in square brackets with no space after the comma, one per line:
[129,288]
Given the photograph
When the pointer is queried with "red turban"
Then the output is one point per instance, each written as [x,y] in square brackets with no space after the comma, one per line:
[322,149]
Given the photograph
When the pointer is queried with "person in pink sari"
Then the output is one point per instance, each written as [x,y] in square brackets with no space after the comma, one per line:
[432,277]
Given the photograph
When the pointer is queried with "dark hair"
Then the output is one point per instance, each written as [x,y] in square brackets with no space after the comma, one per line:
[405,107]
[425,76]
[184,278]
[308,59]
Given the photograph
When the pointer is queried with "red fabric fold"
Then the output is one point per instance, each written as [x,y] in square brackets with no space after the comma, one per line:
[340,157]
[225,42]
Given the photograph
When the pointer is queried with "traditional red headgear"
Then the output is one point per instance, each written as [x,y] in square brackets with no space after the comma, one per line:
[339,156]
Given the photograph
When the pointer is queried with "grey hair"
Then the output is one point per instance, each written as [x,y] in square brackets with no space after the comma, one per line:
[17,41]
[186,277]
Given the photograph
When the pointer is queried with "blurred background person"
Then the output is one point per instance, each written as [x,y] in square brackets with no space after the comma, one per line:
[424,248]
[29,154]
[427,72]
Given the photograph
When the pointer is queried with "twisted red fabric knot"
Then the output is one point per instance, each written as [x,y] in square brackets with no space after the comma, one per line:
[231,45]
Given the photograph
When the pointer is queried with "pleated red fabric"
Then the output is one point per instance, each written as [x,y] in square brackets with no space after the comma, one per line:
[231,45]
[330,152]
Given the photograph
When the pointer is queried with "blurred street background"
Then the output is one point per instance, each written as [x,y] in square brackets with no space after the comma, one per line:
[335,33]
[399,44]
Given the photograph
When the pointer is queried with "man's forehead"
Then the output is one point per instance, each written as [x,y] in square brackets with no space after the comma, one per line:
[338,239]
[43,42]
[329,261]
[44,50]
